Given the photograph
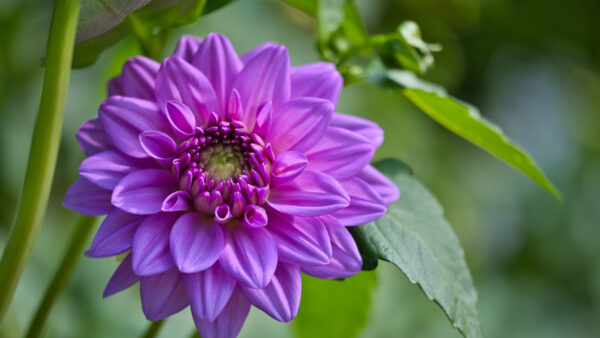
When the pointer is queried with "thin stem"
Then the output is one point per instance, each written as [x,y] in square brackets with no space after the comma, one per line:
[82,231]
[43,152]
[153,329]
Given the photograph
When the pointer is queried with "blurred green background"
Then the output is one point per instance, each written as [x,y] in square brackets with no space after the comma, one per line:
[531,66]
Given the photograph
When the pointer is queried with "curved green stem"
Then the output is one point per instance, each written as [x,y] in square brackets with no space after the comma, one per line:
[82,231]
[153,329]
[43,152]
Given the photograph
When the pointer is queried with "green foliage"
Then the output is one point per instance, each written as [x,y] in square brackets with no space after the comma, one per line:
[414,236]
[392,60]
[151,21]
[332,308]
[465,120]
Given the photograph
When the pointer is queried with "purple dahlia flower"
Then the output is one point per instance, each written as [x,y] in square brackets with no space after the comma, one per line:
[225,178]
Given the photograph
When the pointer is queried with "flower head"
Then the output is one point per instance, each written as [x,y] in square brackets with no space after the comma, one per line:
[225,178]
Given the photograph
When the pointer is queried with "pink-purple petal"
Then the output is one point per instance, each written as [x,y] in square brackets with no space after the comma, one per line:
[340,153]
[107,168]
[300,240]
[365,128]
[209,291]
[150,251]
[187,47]
[195,243]
[219,62]
[163,295]
[287,166]
[87,198]
[249,255]
[138,78]
[125,118]
[142,192]
[300,124]
[265,77]
[158,145]
[281,298]
[177,201]
[386,189]
[345,260]
[229,322]
[319,79]
[91,137]
[123,278]
[310,194]
[179,80]
[181,118]
[115,234]
[365,204]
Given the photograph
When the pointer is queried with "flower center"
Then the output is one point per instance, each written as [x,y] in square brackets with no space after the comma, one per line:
[224,167]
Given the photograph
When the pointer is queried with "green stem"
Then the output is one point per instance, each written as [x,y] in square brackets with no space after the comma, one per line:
[82,231]
[43,151]
[153,329]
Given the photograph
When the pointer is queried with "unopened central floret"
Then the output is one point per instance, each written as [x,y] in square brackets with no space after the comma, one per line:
[224,165]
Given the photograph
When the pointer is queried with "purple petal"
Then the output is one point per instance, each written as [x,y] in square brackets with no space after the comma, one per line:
[365,128]
[217,59]
[300,124]
[196,243]
[181,118]
[310,194]
[177,201]
[281,298]
[255,216]
[107,168]
[340,153]
[249,256]
[123,278]
[187,47]
[150,250]
[301,240]
[138,78]
[229,323]
[266,77]
[209,291]
[319,79]
[163,295]
[264,116]
[124,118]
[345,260]
[251,54]
[386,189]
[142,192]
[365,204]
[91,137]
[158,145]
[114,86]
[115,234]
[87,198]
[179,80]
[287,166]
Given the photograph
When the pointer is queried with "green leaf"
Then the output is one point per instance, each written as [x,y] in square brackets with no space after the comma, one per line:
[339,28]
[465,121]
[332,308]
[406,49]
[108,21]
[414,236]
[99,16]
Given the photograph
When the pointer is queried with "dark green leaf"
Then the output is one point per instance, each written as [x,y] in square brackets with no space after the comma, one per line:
[465,121]
[334,309]
[406,49]
[414,236]
[99,16]
[108,21]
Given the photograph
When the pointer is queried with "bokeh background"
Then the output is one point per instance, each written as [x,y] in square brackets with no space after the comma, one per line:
[531,66]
